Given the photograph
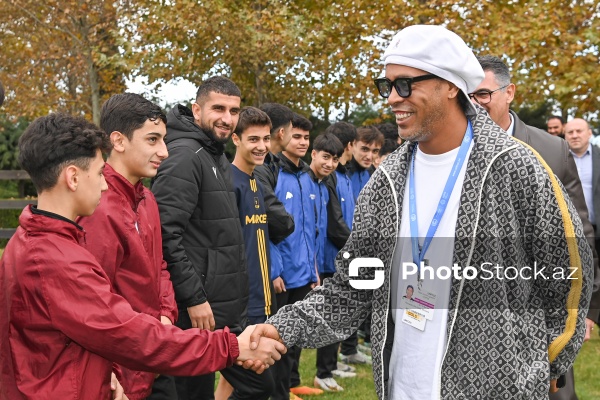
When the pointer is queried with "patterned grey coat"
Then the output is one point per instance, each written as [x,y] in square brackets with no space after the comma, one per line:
[506,338]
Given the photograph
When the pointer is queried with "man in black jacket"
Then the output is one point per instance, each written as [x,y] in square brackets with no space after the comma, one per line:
[202,237]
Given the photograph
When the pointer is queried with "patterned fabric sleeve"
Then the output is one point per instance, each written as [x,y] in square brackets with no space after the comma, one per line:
[333,311]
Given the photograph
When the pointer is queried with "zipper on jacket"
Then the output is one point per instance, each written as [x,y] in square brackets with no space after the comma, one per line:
[462,282]
[387,302]
[298,174]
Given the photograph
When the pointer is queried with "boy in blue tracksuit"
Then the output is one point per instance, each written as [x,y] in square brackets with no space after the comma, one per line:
[327,150]
[365,150]
[294,258]
[340,213]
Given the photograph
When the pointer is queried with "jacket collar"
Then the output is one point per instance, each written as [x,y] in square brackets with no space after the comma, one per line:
[342,169]
[314,177]
[132,193]
[354,167]
[290,167]
[520,130]
[181,124]
[35,221]
[271,158]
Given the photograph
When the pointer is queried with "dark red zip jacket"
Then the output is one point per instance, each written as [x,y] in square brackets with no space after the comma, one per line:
[61,326]
[124,236]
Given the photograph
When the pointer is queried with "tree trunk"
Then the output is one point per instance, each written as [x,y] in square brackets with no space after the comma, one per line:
[95,88]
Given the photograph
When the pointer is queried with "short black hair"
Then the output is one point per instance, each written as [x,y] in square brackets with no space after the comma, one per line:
[217,84]
[389,146]
[1,94]
[301,122]
[128,112]
[52,142]
[328,143]
[251,116]
[389,130]
[558,117]
[344,131]
[369,134]
[280,115]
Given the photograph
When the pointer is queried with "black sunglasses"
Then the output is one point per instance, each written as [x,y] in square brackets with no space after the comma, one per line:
[403,85]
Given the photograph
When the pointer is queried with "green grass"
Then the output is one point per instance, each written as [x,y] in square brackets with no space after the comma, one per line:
[587,369]
[587,375]
[361,387]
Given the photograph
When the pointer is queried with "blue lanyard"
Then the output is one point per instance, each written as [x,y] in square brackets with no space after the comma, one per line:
[419,253]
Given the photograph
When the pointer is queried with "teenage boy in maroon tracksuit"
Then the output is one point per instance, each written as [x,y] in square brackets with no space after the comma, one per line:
[61,324]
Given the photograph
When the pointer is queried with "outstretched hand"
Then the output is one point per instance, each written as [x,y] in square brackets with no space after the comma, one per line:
[256,353]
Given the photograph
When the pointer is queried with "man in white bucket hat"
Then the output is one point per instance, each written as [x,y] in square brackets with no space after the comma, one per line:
[476,224]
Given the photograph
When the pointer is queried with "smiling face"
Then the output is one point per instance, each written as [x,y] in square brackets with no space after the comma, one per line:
[217,115]
[323,163]
[365,153]
[499,105]
[141,156]
[421,114]
[251,147]
[298,145]
[555,127]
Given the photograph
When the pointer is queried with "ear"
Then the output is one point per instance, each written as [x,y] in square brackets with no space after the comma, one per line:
[313,154]
[117,139]
[453,90]
[71,175]
[236,140]
[510,92]
[197,111]
[279,135]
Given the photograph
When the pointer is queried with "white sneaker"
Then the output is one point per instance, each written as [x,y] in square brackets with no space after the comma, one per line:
[358,358]
[343,374]
[364,349]
[345,367]
[328,384]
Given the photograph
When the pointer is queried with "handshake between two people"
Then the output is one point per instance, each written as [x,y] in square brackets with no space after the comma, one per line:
[260,346]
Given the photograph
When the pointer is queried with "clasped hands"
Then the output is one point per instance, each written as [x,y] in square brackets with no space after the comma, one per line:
[260,346]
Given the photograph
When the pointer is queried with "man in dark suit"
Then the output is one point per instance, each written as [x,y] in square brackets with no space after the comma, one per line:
[495,93]
[587,159]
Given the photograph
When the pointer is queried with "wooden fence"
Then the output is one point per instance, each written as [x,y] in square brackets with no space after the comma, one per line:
[13,204]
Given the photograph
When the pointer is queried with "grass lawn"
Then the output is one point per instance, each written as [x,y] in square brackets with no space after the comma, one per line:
[359,388]
[587,375]
[587,369]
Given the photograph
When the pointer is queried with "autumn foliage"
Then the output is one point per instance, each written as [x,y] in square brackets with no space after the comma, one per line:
[315,56]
